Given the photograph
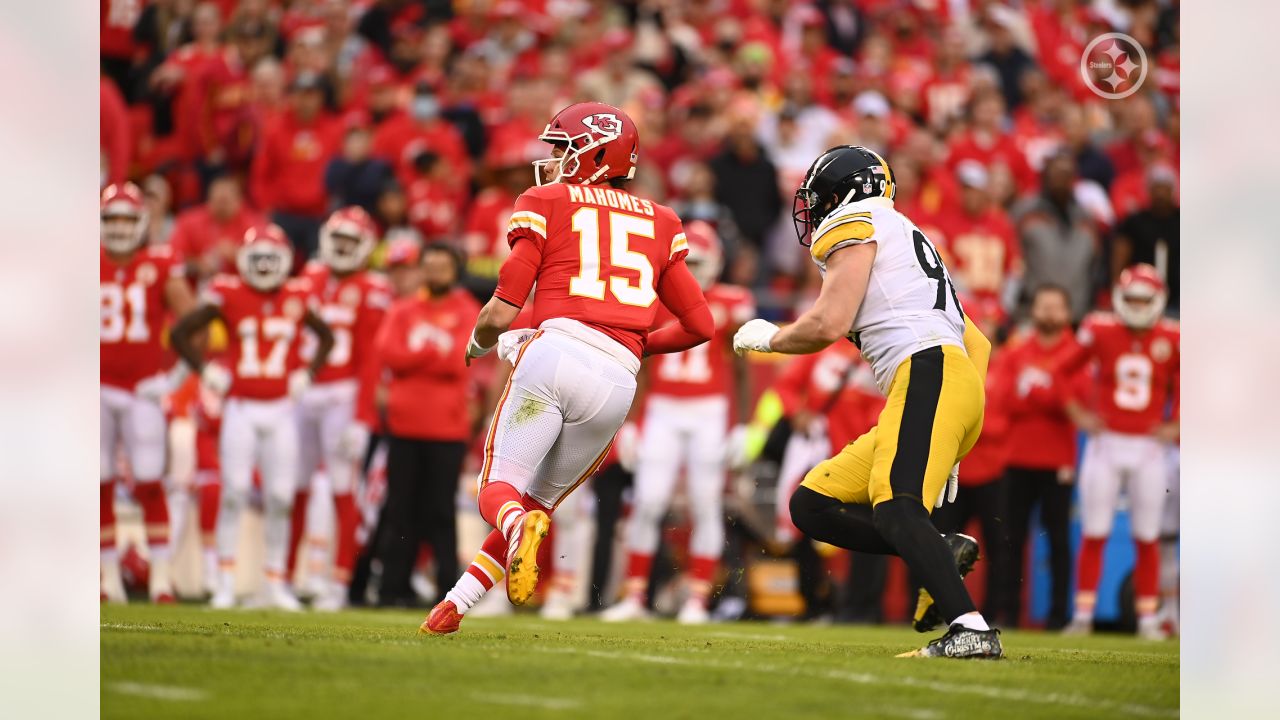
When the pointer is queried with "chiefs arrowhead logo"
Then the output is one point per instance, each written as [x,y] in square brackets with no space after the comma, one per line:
[603,123]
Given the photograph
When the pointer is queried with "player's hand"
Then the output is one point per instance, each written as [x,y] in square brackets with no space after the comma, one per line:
[1168,431]
[216,378]
[159,386]
[353,441]
[474,350]
[510,342]
[299,382]
[754,335]
[1087,421]
[735,455]
[628,444]
[951,489]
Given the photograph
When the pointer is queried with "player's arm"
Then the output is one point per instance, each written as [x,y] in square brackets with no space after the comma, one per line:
[325,337]
[183,333]
[682,295]
[515,282]
[843,288]
[178,295]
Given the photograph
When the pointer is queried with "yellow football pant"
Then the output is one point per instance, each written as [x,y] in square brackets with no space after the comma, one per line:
[930,420]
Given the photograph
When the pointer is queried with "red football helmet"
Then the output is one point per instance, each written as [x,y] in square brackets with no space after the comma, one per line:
[706,258]
[124,218]
[599,141]
[347,238]
[265,257]
[1139,296]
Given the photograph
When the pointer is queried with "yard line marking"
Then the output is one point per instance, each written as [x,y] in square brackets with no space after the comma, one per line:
[127,626]
[547,703]
[159,692]
[995,693]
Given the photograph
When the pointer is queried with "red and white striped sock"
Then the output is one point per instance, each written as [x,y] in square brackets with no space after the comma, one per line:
[639,565]
[1088,572]
[702,571]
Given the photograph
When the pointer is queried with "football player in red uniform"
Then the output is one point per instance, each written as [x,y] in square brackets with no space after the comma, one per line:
[686,424]
[352,302]
[603,259]
[1136,354]
[264,312]
[140,287]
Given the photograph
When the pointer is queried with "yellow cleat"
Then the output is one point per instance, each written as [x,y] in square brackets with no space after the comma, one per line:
[522,567]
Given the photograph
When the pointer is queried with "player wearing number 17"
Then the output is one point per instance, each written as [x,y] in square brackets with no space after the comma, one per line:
[264,312]
[602,259]
[886,288]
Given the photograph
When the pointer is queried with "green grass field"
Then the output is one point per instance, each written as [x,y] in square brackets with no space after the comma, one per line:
[190,662]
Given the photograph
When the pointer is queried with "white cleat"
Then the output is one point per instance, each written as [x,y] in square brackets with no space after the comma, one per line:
[277,594]
[422,586]
[224,598]
[112,588]
[1079,626]
[557,607]
[1149,629]
[333,599]
[629,610]
[693,612]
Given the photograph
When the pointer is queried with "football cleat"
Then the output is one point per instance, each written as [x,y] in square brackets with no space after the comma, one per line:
[693,612]
[963,642]
[444,619]
[331,599]
[278,595]
[1149,628]
[965,551]
[522,564]
[1079,626]
[558,606]
[629,609]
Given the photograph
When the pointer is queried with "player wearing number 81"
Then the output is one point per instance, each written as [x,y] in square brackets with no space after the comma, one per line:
[1136,355]
[602,259]
[886,288]
[264,312]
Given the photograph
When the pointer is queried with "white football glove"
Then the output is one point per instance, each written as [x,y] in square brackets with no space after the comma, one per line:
[216,378]
[948,493]
[754,335]
[474,350]
[353,442]
[299,382]
[735,451]
[159,386]
[627,442]
[510,342]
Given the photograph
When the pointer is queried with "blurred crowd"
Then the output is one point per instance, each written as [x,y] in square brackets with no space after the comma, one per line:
[229,113]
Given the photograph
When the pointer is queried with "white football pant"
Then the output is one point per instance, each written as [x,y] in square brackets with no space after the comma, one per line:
[139,426]
[1137,463]
[324,412]
[261,433]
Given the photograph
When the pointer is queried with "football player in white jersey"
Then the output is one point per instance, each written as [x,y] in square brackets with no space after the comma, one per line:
[886,288]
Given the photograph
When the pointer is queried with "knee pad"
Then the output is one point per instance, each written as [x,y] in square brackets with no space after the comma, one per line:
[805,505]
[892,517]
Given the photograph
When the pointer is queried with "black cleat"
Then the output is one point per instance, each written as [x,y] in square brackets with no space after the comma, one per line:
[962,642]
[965,551]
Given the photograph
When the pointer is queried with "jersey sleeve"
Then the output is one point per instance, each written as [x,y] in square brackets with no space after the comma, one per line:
[843,230]
[529,219]
[679,244]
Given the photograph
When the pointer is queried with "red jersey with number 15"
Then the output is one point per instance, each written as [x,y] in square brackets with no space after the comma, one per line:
[603,254]
[131,336]
[264,330]
[705,369]
[1137,371]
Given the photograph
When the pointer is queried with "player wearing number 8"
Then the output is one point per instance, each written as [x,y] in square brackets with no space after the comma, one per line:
[1135,353]
[264,312]
[602,259]
[139,288]
[886,288]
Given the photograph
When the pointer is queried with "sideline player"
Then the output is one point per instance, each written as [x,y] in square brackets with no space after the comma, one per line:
[686,423]
[264,312]
[1136,352]
[602,259]
[139,288]
[353,302]
[885,286]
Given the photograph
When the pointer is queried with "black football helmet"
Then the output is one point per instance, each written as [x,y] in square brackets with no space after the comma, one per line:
[843,174]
